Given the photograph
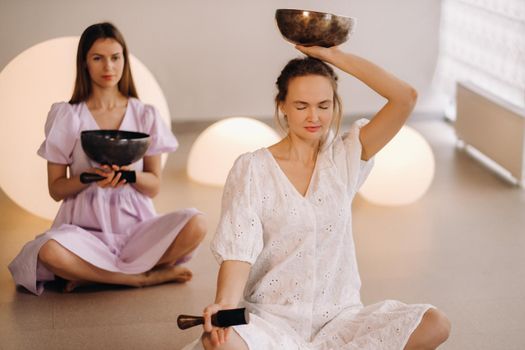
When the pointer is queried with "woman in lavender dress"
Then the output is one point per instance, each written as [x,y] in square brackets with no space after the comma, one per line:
[108,231]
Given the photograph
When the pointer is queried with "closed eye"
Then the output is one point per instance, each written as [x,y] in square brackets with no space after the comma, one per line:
[325,104]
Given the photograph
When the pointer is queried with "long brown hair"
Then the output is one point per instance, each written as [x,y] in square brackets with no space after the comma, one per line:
[83,88]
[300,67]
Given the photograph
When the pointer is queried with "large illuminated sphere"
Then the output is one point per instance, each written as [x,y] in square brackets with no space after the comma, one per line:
[403,170]
[29,84]
[215,150]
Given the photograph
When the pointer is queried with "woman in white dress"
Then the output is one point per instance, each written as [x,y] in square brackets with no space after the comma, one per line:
[284,241]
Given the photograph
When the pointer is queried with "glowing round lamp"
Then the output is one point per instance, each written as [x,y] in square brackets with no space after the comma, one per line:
[403,170]
[215,150]
[29,84]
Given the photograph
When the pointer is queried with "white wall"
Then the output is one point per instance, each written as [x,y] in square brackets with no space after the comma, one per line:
[221,58]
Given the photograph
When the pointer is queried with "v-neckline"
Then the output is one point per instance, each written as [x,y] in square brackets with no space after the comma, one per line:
[287,179]
[95,121]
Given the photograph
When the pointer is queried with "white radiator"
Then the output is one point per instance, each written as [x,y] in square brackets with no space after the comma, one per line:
[493,126]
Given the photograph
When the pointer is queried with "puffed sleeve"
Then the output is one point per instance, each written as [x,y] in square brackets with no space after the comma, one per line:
[162,139]
[239,235]
[61,130]
[357,169]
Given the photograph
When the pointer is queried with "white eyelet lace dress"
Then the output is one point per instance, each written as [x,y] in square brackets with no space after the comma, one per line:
[303,287]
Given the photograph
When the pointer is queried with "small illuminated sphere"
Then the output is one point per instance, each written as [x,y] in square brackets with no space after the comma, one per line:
[29,85]
[215,150]
[403,170]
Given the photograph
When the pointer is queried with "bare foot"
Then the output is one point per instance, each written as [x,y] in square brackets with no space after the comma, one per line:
[71,285]
[176,274]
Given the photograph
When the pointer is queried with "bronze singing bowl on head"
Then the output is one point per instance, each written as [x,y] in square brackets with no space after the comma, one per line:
[113,147]
[311,28]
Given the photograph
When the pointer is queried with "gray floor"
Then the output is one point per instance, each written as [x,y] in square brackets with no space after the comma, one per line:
[461,247]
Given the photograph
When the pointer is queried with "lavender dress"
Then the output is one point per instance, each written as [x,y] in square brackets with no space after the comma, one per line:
[115,229]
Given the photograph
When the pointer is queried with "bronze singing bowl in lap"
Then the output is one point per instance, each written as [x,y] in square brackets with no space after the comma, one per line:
[311,28]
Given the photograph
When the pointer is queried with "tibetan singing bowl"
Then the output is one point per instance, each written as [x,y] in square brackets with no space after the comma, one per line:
[310,28]
[114,147]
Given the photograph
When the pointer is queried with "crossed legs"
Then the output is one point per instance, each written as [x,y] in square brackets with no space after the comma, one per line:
[431,332]
[77,271]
